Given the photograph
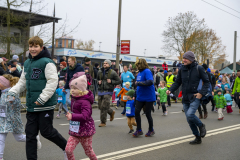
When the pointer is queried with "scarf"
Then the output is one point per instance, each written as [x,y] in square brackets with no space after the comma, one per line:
[72,68]
[127,89]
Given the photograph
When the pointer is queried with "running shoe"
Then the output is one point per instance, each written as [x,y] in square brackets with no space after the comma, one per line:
[57,116]
[137,133]
[131,131]
[150,133]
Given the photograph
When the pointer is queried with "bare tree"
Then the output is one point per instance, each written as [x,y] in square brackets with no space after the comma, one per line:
[87,45]
[179,28]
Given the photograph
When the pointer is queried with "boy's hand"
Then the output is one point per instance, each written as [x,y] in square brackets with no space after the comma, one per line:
[168,92]
[213,93]
[69,116]
[198,95]
[37,103]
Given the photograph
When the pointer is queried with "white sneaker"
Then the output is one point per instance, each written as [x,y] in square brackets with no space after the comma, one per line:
[39,144]
[65,155]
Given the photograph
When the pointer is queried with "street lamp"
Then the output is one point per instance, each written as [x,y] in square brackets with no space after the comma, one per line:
[100,45]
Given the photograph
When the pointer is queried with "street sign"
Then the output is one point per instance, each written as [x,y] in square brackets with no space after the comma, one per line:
[125,46]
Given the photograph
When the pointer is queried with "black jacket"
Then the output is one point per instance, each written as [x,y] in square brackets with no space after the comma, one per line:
[70,73]
[2,71]
[95,70]
[189,77]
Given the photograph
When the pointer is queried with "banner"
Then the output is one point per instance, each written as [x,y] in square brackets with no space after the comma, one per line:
[125,46]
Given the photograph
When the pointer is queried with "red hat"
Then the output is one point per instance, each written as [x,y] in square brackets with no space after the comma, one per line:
[4,59]
[64,64]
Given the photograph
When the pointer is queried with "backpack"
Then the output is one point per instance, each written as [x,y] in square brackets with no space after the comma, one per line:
[207,97]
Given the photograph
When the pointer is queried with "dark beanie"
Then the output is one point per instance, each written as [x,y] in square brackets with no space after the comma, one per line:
[61,60]
[161,70]
[87,59]
[205,66]
[96,65]
[189,55]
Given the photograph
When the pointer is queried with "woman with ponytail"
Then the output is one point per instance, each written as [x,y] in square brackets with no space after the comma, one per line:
[10,116]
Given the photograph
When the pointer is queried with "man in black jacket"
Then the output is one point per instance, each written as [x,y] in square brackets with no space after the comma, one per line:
[13,70]
[189,76]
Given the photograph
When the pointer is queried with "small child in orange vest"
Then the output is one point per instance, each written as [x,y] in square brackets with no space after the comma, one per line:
[124,96]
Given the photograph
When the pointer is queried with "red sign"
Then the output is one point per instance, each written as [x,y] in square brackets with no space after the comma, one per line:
[125,46]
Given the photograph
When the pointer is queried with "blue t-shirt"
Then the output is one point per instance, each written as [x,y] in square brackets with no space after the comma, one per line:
[145,93]
[130,108]
[117,90]
[223,86]
[127,77]
[61,96]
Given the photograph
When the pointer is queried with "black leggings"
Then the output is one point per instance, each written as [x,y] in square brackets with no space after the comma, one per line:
[204,106]
[148,108]
[163,107]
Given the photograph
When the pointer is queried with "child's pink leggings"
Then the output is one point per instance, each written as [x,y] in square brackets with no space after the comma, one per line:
[86,143]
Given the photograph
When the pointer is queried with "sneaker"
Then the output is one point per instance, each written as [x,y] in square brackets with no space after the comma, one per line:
[131,131]
[57,116]
[150,133]
[116,107]
[168,106]
[39,144]
[102,125]
[166,113]
[163,114]
[137,133]
[220,118]
[65,155]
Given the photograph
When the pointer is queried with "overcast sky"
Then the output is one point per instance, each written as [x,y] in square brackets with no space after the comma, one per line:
[143,21]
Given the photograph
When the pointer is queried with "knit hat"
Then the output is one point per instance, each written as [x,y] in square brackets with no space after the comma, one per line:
[15,57]
[5,82]
[80,83]
[64,64]
[216,87]
[209,70]
[130,93]
[96,65]
[165,71]
[61,60]
[219,90]
[169,70]
[219,85]
[221,76]
[127,83]
[108,61]
[205,66]
[216,71]
[1,60]
[87,59]
[161,70]
[225,86]
[189,55]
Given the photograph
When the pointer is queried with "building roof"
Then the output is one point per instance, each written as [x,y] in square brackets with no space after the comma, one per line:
[35,19]
[226,70]
[229,66]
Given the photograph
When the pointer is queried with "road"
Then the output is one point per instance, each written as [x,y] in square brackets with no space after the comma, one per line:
[171,141]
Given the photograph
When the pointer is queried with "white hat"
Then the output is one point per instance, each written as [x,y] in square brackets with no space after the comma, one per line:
[1,60]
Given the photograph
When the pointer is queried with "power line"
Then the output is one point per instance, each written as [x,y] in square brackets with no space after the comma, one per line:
[221,9]
[227,6]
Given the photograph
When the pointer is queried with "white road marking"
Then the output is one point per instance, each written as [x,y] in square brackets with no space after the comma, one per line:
[65,124]
[177,112]
[165,143]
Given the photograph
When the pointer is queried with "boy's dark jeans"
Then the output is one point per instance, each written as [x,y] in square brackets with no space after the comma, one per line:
[42,121]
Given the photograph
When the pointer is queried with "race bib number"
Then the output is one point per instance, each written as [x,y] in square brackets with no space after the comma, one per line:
[229,103]
[60,98]
[74,126]
[125,98]
[2,111]
[128,110]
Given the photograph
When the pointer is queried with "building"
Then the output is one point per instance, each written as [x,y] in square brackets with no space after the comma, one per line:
[19,28]
[99,57]
[230,66]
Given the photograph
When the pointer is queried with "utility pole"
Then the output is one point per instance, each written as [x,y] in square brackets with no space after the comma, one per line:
[118,34]
[100,46]
[53,34]
[235,51]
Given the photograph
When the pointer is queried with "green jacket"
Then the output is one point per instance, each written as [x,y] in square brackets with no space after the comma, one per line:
[236,85]
[162,94]
[40,79]
[109,74]
[220,101]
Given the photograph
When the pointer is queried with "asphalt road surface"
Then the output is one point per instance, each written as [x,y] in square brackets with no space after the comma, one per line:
[171,141]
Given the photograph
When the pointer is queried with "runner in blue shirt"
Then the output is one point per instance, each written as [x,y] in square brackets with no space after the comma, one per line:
[127,76]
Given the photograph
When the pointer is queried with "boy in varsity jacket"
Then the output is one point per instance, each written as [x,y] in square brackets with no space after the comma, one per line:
[40,79]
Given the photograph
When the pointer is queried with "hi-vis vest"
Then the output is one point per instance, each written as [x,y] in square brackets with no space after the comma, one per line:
[169,80]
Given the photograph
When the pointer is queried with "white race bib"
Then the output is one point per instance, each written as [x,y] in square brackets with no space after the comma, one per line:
[60,98]
[74,126]
[3,110]
[128,110]
[125,98]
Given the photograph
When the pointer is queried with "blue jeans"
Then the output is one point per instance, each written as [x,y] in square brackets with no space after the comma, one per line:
[68,101]
[193,121]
